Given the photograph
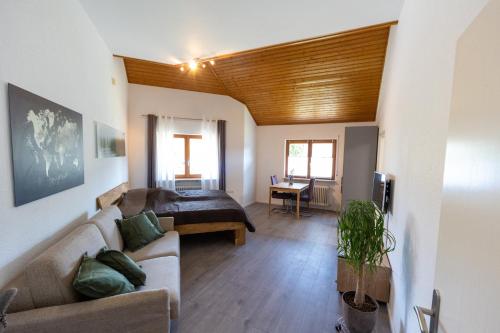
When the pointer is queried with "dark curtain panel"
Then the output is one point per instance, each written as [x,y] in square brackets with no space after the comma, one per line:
[152,119]
[221,135]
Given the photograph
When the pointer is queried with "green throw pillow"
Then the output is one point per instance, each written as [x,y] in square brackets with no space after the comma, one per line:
[154,219]
[122,263]
[96,280]
[137,231]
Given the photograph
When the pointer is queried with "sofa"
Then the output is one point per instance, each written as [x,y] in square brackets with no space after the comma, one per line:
[47,302]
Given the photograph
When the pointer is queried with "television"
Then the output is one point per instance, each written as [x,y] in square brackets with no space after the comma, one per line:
[381,192]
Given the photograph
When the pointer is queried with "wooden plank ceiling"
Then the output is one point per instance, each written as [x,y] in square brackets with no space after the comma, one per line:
[334,78]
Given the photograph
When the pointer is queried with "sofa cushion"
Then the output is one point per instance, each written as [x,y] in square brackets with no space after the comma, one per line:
[50,276]
[137,231]
[122,263]
[164,272]
[97,280]
[168,245]
[23,300]
[105,221]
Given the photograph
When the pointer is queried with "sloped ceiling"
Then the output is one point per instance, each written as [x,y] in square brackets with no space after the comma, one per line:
[330,79]
[334,78]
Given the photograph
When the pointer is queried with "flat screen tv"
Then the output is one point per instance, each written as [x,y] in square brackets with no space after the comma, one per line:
[381,192]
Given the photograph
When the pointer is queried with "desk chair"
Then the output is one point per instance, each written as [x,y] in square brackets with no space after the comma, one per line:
[285,208]
[306,196]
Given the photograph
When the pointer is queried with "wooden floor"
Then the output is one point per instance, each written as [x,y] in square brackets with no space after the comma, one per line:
[282,280]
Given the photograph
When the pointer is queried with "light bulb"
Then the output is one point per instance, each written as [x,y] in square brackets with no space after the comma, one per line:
[212,62]
[182,68]
[203,65]
[193,65]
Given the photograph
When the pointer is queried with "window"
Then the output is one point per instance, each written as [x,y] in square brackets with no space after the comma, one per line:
[188,156]
[311,158]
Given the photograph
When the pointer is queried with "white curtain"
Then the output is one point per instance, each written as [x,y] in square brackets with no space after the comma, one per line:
[210,174]
[165,173]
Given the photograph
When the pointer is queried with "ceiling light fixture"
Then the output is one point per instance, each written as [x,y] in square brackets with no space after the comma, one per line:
[195,63]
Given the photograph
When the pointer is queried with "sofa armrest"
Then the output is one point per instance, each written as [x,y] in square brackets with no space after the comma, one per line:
[145,311]
[167,223]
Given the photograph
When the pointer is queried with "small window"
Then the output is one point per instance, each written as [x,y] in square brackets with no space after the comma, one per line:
[311,158]
[188,156]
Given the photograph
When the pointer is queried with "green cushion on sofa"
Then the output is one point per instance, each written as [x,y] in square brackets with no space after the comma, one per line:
[122,263]
[154,219]
[96,280]
[137,231]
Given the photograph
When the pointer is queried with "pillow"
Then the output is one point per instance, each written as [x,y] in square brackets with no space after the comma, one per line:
[124,264]
[164,194]
[96,280]
[137,231]
[154,219]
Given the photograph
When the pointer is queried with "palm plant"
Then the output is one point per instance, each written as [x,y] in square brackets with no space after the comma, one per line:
[362,232]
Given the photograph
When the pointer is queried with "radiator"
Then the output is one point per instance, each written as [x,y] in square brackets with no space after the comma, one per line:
[322,195]
[181,186]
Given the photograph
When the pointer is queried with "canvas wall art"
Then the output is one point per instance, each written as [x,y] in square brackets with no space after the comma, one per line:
[110,142]
[47,146]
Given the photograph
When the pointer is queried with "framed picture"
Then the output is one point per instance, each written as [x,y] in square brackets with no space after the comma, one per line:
[109,141]
[47,146]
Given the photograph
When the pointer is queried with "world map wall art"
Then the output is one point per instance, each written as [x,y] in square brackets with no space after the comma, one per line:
[47,146]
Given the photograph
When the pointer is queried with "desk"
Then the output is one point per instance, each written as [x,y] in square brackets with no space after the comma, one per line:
[287,188]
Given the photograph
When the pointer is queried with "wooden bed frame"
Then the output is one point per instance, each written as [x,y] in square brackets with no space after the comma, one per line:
[113,197]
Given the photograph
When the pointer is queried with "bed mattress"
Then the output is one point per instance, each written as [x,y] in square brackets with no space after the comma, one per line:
[187,207]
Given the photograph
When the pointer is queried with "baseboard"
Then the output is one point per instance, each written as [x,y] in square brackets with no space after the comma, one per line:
[278,203]
[249,203]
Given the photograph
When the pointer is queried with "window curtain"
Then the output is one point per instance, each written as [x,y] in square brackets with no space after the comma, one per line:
[210,174]
[221,137]
[152,122]
[165,173]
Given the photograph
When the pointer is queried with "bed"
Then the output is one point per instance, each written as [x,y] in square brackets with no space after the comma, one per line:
[194,211]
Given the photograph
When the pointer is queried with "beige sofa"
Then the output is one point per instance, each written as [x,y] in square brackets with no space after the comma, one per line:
[46,301]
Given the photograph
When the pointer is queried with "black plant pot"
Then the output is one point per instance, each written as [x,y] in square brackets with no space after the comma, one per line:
[358,321]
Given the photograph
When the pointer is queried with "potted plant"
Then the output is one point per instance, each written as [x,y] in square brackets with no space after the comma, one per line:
[363,242]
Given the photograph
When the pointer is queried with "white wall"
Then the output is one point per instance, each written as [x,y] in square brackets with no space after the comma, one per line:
[413,115]
[271,152]
[249,159]
[181,103]
[52,49]
[467,269]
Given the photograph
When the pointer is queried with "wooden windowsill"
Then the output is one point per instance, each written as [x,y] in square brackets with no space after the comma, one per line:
[302,180]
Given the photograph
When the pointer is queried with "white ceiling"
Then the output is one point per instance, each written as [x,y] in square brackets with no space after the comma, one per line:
[173,31]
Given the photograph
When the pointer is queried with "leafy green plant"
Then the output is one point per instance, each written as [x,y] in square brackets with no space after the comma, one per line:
[362,232]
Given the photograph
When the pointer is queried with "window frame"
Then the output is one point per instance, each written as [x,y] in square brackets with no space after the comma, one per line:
[187,155]
[309,157]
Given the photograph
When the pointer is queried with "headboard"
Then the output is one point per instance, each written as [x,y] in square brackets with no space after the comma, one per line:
[112,197]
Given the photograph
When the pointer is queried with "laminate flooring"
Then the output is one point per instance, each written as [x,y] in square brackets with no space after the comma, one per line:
[282,280]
